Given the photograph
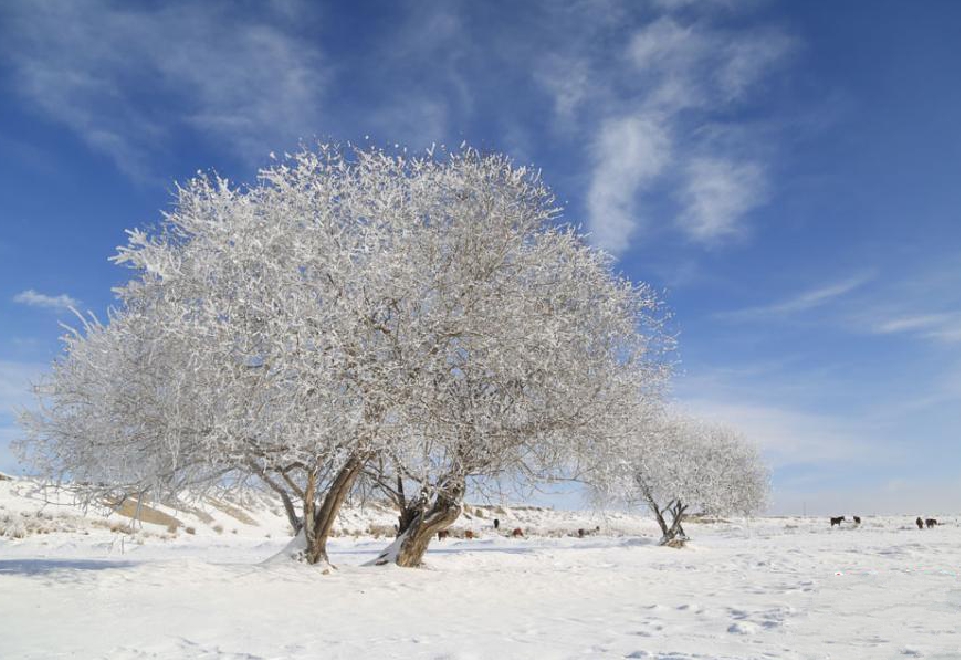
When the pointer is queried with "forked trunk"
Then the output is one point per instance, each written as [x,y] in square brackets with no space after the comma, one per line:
[677,513]
[659,516]
[671,534]
[675,536]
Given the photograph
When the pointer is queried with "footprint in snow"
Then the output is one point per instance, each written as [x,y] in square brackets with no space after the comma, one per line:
[743,628]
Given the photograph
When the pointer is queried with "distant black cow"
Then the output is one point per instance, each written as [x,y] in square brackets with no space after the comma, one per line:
[930,522]
[857,520]
[837,520]
[919,522]
[443,534]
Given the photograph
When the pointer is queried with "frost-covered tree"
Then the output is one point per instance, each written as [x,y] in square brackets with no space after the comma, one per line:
[293,292]
[537,346]
[425,320]
[122,412]
[276,297]
[673,463]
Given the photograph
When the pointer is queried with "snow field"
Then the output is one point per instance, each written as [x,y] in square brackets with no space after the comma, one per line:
[773,588]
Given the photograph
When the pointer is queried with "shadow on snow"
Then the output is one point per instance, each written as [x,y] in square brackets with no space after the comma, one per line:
[45,566]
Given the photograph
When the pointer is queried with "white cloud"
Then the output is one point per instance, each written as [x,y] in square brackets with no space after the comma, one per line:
[651,112]
[794,437]
[801,302]
[674,5]
[748,60]
[916,322]
[570,82]
[948,333]
[667,47]
[98,68]
[35,299]
[943,327]
[717,194]
[629,151]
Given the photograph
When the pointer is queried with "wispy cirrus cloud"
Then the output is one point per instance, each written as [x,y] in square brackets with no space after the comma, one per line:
[944,327]
[917,301]
[717,194]
[659,99]
[56,302]
[800,302]
[912,323]
[792,436]
[630,151]
[99,68]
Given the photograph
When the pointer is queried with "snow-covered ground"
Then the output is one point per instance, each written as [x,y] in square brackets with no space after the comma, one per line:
[769,588]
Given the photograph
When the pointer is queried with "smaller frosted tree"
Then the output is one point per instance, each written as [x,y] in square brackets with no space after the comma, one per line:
[674,464]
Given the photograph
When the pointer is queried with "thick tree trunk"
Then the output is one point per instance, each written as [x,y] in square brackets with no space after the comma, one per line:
[319,521]
[422,523]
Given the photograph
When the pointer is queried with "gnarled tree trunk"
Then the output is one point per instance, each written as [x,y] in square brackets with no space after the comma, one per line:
[673,534]
[677,515]
[418,525]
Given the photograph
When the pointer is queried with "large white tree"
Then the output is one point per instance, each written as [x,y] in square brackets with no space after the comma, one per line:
[537,345]
[425,320]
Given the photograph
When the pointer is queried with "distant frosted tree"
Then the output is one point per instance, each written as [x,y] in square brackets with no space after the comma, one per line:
[673,463]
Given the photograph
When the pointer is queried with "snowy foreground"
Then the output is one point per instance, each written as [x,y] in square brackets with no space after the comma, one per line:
[771,588]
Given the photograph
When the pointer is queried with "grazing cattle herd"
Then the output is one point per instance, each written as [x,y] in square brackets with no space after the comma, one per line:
[919,521]
[582,532]
[518,532]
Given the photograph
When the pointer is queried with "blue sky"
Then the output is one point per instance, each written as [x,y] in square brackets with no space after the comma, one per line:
[787,172]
